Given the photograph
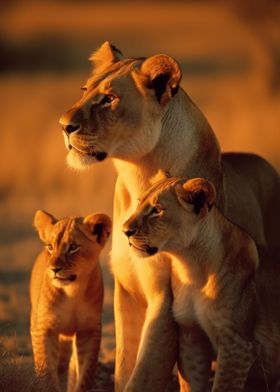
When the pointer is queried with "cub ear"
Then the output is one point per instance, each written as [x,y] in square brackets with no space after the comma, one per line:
[43,221]
[99,225]
[163,75]
[198,192]
[105,55]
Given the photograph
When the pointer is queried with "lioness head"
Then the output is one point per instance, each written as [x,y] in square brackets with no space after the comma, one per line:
[72,244]
[170,215]
[119,114]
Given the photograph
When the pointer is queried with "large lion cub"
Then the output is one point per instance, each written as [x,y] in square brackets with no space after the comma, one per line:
[221,296]
[66,297]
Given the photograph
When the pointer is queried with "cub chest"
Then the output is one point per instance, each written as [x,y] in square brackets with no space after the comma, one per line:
[71,315]
[192,306]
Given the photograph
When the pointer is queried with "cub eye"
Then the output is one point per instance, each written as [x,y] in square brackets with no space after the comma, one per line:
[73,248]
[156,209]
[49,248]
[108,98]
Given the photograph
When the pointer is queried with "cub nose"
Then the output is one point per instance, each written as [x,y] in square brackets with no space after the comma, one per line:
[56,269]
[129,232]
[70,128]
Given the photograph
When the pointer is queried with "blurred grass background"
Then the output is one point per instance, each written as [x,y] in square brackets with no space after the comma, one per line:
[230,55]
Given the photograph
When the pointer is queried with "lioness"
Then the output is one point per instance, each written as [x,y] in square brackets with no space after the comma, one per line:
[66,293]
[135,112]
[215,283]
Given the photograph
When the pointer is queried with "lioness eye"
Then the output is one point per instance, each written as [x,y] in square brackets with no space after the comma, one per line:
[49,248]
[156,209]
[73,248]
[108,98]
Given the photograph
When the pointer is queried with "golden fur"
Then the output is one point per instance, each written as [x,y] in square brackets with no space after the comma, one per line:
[134,111]
[220,294]
[66,293]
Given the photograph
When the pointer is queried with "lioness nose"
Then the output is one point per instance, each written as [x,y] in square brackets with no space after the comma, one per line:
[129,232]
[71,120]
[56,269]
[70,128]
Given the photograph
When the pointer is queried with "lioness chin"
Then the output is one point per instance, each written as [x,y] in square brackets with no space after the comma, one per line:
[220,294]
[134,111]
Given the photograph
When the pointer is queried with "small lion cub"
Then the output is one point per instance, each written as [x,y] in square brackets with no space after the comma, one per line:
[66,291]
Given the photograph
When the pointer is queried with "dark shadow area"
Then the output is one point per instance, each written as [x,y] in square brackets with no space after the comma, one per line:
[59,55]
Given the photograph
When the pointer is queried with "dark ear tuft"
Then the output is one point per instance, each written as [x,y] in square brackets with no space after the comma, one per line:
[198,192]
[159,85]
[198,200]
[99,225]
[98,230]
[162,74]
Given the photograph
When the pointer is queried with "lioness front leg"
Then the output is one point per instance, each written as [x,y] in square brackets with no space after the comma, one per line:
[158,348]
[234,360]
[129,316]
[194,359]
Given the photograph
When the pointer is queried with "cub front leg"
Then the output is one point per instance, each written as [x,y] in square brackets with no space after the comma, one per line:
[194,359]
[234,360]
[129,318]
[45,346]
[87,344]
[158,348]
[65,351]
[72,370]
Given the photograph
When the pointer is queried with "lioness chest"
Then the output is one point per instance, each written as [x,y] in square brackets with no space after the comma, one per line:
[136,275]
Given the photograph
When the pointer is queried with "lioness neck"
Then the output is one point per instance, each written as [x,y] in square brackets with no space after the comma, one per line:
[185,132]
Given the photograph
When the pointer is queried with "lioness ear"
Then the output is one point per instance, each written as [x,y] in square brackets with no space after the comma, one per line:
[198,192]
[99,225]
[163,75]
[105,55]
[43,221]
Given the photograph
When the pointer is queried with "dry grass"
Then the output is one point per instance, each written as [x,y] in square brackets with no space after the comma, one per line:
[15,374]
